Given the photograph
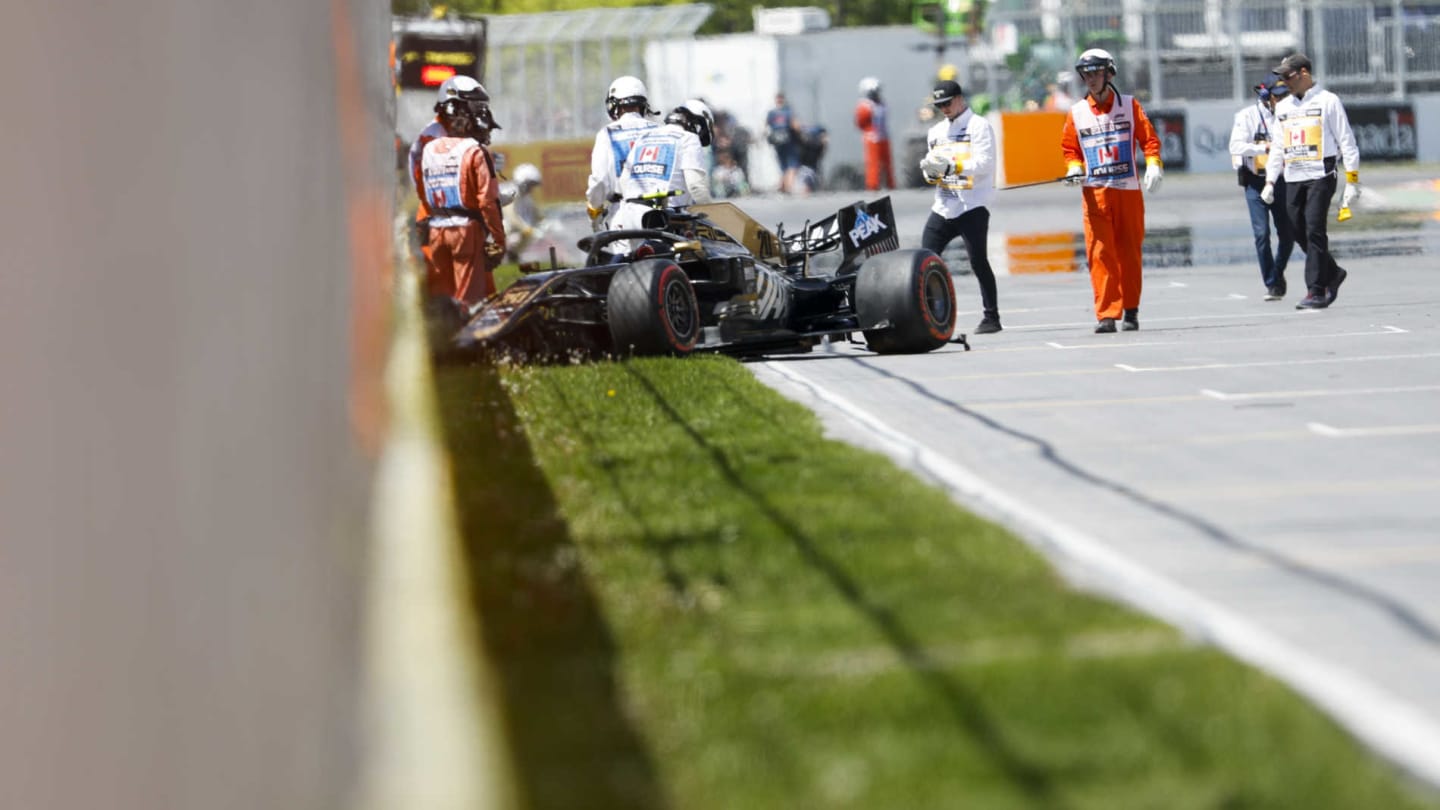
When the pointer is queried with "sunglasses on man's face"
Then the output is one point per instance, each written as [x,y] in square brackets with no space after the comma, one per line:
[1091,71]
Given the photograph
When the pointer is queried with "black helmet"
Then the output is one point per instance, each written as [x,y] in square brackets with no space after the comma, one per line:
[1093,60]
[1272,87]
[694,116]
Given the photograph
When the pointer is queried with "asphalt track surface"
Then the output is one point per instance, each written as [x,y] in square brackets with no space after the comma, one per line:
[1263,477]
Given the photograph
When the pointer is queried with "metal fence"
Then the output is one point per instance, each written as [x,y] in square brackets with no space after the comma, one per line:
[1210,49]
[548,73]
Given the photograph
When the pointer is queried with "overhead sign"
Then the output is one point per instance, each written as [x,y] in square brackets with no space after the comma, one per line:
[427,60]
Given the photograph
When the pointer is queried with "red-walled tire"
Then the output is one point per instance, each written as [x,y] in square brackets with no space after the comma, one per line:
[905,301]
[652,310]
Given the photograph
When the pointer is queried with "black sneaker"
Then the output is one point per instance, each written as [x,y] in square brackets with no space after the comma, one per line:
[1105,325]
[988,325]
[1332,292]
[1314,300]
[1131,321]
[1275,293]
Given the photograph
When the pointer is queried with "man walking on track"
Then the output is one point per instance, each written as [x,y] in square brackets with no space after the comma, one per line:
[1104,135]
[960,163]
[1314,130]
[1250,139]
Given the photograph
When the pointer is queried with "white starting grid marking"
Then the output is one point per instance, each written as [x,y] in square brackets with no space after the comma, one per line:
[1332,432]
[1317,392]
[1263,363]
[1384,330]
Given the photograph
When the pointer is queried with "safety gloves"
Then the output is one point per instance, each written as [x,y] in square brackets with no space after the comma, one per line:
[1075,174]
[1267,194]
[936,165]
[1352,189]
[494,254]
[1153,175]
[596,217]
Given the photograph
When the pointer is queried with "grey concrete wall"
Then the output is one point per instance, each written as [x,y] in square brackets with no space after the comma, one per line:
[183,489]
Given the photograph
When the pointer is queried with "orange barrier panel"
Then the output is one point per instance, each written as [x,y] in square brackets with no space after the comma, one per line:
[1050,252]
[1030,146]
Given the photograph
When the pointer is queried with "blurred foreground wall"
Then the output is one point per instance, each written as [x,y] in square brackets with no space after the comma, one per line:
[194,248]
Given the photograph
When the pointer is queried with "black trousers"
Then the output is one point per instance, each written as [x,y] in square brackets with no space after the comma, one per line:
[974,227]
[1308,203]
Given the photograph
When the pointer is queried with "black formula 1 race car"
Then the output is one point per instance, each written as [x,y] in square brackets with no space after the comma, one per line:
[711,279]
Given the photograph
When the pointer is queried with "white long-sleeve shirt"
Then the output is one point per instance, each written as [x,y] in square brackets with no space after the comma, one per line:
[960,192]
[1311,129]
[1251,137]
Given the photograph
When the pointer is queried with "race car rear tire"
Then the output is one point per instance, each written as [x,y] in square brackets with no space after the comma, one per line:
[905,301]
[652,310]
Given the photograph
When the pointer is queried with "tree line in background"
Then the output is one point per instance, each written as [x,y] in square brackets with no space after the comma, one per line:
[730,16]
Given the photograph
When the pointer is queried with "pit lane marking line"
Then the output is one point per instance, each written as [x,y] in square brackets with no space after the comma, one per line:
[1263,363]
[1388,723]
[1332,432]
[1237,297]
[1385,330]
[1216,316]
[1316,392]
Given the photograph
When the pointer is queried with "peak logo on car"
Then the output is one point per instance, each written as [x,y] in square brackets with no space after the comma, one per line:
[865,227]
[869,227]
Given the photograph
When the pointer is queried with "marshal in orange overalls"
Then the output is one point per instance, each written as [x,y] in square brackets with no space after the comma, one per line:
[1106,139]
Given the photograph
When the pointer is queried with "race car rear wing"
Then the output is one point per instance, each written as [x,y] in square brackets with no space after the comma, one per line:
[860,230]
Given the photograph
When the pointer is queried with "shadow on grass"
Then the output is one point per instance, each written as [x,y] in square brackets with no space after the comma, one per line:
[541,625]
[961,703]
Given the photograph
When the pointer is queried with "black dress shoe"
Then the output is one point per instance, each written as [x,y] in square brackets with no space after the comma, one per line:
[1275,293]
[1315,300]
[988,325]
[1334,290]
[1105,325]
[1131,321]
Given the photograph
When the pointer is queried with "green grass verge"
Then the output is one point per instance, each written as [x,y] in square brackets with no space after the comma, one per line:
[696,601]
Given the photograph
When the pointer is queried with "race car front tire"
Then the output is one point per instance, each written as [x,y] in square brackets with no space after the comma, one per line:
[652,310]
[905,301]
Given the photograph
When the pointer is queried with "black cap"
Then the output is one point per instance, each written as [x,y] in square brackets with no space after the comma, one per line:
[944,91]
[1292,63]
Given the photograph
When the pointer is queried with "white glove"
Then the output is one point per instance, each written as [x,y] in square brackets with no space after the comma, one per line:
[507,194]
[1352,191]
[1153,176]
[936,166]
[1267,194]
[1075,176]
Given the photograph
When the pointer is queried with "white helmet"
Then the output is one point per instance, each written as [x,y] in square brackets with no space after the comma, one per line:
[527,175]
[627,91]
[460,87]
[1095,59]
[870,86]
[694,116]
